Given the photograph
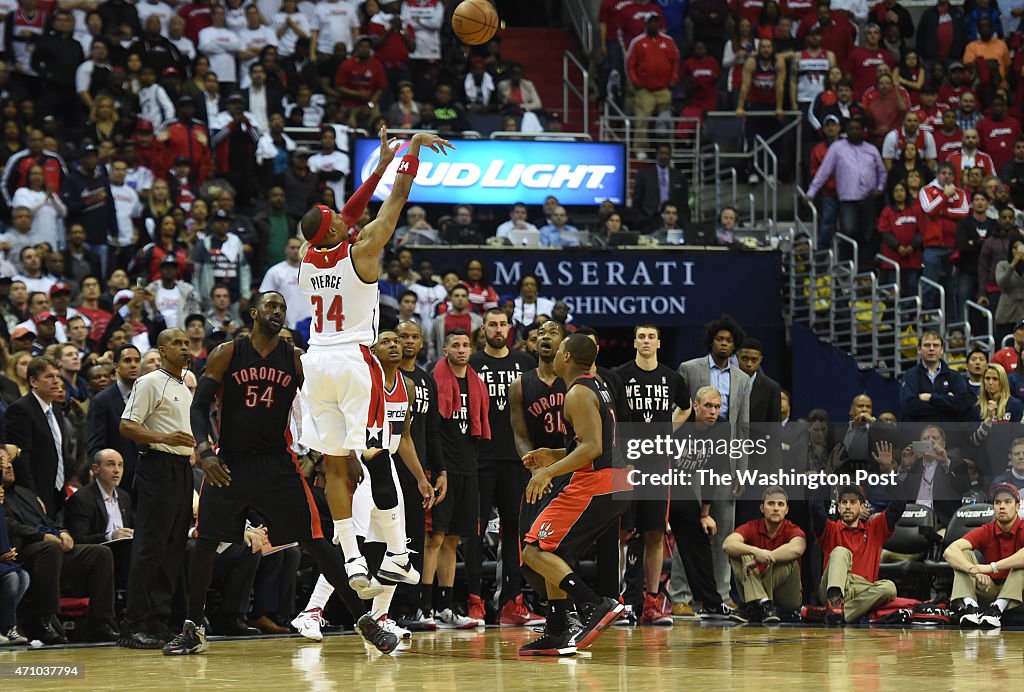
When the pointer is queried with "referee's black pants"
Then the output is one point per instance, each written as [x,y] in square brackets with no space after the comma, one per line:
[164,486]
[502,484]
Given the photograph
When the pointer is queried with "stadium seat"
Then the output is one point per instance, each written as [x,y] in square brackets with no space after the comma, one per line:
[966,518]
[914,535]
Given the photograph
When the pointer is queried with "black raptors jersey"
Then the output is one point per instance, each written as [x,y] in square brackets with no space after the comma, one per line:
[498,374]
[542,408]
[606,459]
[256,398]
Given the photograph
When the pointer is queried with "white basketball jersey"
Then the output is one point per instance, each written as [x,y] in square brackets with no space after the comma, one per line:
[396,403]
[343,306]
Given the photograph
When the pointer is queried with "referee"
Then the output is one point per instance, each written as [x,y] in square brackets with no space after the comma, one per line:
[157,417]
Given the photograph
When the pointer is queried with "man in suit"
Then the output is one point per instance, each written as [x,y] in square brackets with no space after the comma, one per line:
[935,479]
[722,338]
[104,421]
[658,184]
[35,425]
[262,99]
[765,416]
[56,564]
[102,512]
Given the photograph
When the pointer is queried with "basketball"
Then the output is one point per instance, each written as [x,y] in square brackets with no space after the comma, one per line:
[475,21]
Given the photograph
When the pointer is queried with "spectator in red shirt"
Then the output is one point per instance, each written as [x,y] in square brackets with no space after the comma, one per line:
[765,555]
[699,75]
[197,17]
[187,137]
[853,548]
[392,43]
[998,582]
[652,62]
[837,32]
[948,138]
[900,232]
[631,19]
[361,79]
[862,63]
[998,132]
[950,93]
[748,9]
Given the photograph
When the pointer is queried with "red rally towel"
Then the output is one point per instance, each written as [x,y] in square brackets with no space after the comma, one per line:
[449,398]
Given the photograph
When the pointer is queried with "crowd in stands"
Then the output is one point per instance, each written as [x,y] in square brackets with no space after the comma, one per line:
[149,183]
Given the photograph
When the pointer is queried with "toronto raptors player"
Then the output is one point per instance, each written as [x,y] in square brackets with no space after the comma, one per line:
[342,395]
[254,382]
[378,506]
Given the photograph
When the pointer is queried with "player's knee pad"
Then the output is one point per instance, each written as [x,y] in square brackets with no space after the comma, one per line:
[382,482]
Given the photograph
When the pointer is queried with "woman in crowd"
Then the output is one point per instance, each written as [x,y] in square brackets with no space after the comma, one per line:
[104,122]
[146,263]
[910,75]
[405,112]
[899,230]
[17,370]
[529,305]
[156,207]
[909,160]
[482,296]
[742,46]
[48,209]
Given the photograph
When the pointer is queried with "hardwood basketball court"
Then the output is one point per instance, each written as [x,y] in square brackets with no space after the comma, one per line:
[688,656]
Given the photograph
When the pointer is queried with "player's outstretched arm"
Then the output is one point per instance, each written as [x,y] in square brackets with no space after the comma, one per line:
[377,234]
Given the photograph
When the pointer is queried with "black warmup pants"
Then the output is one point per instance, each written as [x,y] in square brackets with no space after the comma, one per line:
[502,484]
[163,483]
[695,550]
[407,596]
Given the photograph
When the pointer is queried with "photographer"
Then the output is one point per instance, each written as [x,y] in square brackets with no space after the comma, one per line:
[137,315]
[931,477]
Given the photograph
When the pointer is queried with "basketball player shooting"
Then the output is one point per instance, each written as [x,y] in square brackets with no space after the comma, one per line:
[343,407]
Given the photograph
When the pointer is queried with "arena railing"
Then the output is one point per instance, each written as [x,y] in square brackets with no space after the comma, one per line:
[933,315]
[582,25]
[580,92]
[542,136]
[985,340]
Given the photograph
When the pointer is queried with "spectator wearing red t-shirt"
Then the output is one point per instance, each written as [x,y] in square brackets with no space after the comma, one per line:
[632,18]
[361,78]
[862,63]
[699,76]
[998,132]
[748,9]
[949,138]
[765,557]
[996,582]
[392,42]
[1009,357]
[853,549]
[950,93]
[838,34]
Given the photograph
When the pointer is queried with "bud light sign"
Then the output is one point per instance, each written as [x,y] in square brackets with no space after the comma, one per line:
[505,172]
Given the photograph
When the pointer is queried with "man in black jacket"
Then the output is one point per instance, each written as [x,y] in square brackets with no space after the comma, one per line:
[930,391]
[55,563]
[56,58]
[155,50]
[928,33]
[104,421]
[933,478]
[101,512]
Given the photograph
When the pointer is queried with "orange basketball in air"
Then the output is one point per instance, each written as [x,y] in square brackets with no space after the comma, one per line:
[475,21]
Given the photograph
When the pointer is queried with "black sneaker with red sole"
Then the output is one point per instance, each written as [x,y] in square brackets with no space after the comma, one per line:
[550,645]
[596,619]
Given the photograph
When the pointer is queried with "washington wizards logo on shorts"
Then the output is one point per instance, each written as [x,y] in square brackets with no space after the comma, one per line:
[545,530]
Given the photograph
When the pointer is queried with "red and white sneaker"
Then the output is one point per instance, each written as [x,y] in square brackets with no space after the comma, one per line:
[655,613]
[475,609]
[515,614]
[309,622]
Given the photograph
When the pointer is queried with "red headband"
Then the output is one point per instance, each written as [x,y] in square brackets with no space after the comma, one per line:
[326,215]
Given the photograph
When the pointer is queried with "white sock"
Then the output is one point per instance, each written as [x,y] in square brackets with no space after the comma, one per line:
[346,533]
[382,602]
[970,603]
[1001,603]
[321,593]
[390,529]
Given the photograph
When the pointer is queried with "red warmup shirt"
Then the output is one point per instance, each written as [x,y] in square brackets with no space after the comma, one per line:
[864,540]
[996,544]
[392,51]
[944,34]
[817,157]
[862,66]
[701,78]
[947,144]
[631,18]
[904,225]
[1008,358]
[747,9]
[940,215]
[365,76]
[755,533]
[997,138]
[652,63]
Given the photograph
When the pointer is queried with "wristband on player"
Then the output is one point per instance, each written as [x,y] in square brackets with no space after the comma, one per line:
[409,165]
[993,566]
[207,453]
